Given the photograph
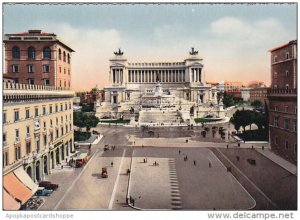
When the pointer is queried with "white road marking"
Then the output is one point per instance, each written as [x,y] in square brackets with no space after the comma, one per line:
[116,183]
[69,189]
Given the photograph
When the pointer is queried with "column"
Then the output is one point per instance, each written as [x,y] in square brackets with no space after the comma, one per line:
[195,74]
[200,75]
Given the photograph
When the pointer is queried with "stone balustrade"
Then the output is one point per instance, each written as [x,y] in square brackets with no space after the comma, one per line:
[17,86]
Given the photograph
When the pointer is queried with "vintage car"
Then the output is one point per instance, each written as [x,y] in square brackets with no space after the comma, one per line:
[43,192]
[48,185]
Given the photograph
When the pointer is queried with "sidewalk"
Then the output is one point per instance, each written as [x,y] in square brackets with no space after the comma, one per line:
[278,160]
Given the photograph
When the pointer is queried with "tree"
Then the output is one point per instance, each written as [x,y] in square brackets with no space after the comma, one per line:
[256,104]
[84,120]
[228,100]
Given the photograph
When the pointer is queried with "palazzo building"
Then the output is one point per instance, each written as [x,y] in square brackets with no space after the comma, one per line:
[132,83]
[282,98]
[37,136]
[38,58]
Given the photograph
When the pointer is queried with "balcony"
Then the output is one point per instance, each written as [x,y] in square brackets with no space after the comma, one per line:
[27,160]
[282,92]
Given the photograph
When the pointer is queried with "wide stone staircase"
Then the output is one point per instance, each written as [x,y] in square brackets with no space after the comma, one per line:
[159,116]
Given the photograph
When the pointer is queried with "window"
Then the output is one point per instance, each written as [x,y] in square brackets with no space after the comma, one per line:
[59,54]
[287,74]
[275,59]
[50,109]
[276,121]
[31,81]
[286,108]
[69,58]
[60,69]
[4,117]
[16,80]
[286,124]
[46,68]
[36,112]
[44,110]
[62,130]
[5,159]
[69,72]
[4,139]
[56,108]
[287,86]
[27,130]
[27,115]
[31,53]
[57,133]
[276,140]
[60,83]
[70,106]
[17,153]
[45,125]
[286,144]
[64,56]
[66,106]
[16,53]
[65,84]
[64,70]
[15,68]
[69,84]
[287,55]
[275,108]
[61,107]
[47,53]
[30,68]
[51,123]
[28,147]
[37,144]
[295,148]
[66,128]
[66,118]
[47,82]
[56,121]
[17,135]
[295,126]
[61,119]
[16,116]
[51,136]
[45,140]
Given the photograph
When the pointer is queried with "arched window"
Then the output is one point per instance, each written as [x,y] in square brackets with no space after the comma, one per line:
[59,54]
[69,58]
[31,53]
[64,56]
[47,53]
[16,52]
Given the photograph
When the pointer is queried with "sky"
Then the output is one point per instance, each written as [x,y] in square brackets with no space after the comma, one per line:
[232,39]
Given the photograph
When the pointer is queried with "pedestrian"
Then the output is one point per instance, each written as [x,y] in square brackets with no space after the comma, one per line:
[194,162]
[62,166]
[209,164]
[132,202]
[263,147]
[237,158]
[142,146]
[179,151]
[112,164]
[134,143]
[144,160]
[252,147]
[227,146]
[186,157]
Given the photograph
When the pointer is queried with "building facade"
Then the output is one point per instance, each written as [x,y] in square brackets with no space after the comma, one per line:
[38,58]
[132,83]
[37,128]
[260,94]
[283,101]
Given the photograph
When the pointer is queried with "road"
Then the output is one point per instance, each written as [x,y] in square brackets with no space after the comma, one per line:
[174,184]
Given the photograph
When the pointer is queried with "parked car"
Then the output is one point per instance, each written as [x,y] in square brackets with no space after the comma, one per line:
[43,192]
[48,185]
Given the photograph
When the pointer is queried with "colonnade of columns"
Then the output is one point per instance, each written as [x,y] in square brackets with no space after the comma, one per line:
[151,76]
[117,76]
[196,74]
